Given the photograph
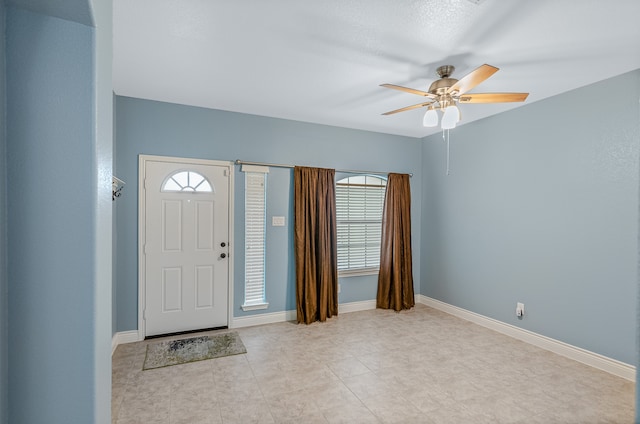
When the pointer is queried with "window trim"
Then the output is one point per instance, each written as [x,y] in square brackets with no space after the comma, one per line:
[370,270]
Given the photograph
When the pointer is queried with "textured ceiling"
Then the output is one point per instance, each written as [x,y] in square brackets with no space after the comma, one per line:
[323,61]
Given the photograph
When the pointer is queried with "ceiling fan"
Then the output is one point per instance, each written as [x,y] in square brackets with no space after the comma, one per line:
[446,92]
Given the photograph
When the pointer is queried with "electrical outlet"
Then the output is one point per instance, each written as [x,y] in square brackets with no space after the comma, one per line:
[338,288]
[519,309]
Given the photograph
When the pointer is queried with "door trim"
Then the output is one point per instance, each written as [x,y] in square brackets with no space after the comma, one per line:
[142,159]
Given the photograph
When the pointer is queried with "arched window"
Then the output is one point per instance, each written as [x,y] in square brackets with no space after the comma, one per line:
[190,181]
[359,205]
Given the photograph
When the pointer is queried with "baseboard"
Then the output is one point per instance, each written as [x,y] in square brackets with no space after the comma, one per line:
[586,357]
[123,337]
[261,319]
[365,305]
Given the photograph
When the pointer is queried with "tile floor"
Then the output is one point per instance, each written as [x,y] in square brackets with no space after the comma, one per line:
[418,366]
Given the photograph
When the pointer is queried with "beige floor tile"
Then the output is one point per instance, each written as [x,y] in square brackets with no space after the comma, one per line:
[143,420]
[151,410]
[454,414]
[428,399]
[317,418]
[498,408]
[370,385]
[197,417]
[254,412]
[332,395]
[292,408]
[349,414]
[345,367]
[233,391]
[391,408]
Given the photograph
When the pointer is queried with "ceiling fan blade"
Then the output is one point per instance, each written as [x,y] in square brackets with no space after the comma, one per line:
[407,90]
[472,79]
[493,97]
[419,105]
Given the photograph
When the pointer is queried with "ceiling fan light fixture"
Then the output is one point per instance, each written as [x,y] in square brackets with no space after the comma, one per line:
[430,118]
[451,117]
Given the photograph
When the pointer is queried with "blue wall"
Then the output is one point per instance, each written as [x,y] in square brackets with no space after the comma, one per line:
[638,314]
[57,173]
[4,307]
[103,206]
[541,207]
[148,127]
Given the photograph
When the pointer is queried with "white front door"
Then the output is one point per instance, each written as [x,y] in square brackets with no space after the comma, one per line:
[186,246]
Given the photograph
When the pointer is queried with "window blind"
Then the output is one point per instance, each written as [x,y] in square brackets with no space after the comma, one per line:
[359,221]
[255,227]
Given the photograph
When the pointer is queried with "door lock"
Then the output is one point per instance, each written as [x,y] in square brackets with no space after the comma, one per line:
[223,244]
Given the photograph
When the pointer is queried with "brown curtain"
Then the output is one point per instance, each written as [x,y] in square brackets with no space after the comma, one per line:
[315,244]
[395,280]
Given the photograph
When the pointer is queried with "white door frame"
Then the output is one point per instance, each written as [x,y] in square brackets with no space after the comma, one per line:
[142,159]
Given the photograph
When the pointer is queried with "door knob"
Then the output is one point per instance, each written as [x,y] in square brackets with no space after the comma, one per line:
[223,255]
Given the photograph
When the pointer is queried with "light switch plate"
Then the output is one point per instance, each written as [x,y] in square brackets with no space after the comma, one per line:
[277,221]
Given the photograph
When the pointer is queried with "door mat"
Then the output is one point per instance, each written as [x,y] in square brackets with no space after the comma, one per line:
[174,352]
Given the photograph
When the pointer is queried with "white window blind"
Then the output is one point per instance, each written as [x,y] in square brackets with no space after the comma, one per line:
[255,230]
[359,205]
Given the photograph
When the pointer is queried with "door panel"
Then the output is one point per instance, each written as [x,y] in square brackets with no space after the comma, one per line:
[172,226]
[204,220]
[204,287]
[171,290]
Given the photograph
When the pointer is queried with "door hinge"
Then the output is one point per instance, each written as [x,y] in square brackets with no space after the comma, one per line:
[144,314]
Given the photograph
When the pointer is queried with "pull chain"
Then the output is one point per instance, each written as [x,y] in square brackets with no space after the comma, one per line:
[448,147]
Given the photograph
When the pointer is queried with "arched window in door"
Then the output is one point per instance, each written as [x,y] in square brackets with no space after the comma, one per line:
[189,181]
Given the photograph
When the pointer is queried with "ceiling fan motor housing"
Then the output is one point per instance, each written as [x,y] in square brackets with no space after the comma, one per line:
[440,87]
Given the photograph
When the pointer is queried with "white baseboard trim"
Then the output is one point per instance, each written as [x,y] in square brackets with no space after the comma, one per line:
[261,319]
[123,337]
[584,356]
[271,318]
[365,305]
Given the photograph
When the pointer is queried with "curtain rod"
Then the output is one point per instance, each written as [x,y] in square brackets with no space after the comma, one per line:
[276,165]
